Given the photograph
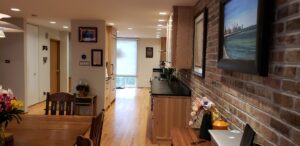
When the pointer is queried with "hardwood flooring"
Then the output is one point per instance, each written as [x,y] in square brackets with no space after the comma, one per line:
[125,121]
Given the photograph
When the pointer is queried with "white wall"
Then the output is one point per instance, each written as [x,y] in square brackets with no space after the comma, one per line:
[94,76]
[12,75]
[145,65]
[44,37]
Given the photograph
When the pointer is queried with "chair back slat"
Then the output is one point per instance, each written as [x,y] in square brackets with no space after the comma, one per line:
[61,107]
[61,102]
[96,128]
[53,107]
[69,108]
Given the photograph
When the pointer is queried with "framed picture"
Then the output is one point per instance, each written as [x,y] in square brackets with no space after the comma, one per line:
[244,36]
[200,33]
[97,57]
[149,52]
[88,34]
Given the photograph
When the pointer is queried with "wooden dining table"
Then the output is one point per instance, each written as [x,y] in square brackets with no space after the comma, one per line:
[42,130]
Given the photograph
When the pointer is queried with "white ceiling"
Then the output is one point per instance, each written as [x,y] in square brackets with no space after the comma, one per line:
[141,15]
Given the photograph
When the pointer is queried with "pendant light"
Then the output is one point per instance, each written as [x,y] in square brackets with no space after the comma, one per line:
[7,27]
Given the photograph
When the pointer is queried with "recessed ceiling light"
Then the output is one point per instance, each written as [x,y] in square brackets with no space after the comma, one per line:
[65,27]
[130,28]
[111,24]
[118,31]
[159,25]
[4,16]
[15,9]
[2,35]
[158,29]
[52,22]
[161,20]
[163,13]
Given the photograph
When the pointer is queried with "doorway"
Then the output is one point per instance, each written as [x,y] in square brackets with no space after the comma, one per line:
[54,66]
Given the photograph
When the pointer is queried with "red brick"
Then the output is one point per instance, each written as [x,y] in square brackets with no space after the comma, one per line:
[288,10]
[280,2]
[284,142]
[291,118]
[290,86]
[293,25]
[277,56]
[289,72]
[288,40]
[280,127]
[292,56]
[283,100]
[297,105]
[296,137]
[274,83]
[279,28]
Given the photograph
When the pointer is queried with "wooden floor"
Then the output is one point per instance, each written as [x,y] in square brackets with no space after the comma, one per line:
[125,121]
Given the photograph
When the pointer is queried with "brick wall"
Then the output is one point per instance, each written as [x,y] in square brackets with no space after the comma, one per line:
[271,105]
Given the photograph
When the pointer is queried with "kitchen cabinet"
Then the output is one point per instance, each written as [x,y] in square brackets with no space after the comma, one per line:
[180,37]
[111,46]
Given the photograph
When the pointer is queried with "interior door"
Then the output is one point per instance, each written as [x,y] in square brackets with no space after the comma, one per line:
[54,66]
[32,54]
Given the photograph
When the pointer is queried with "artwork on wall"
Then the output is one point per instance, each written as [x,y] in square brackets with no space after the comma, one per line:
[88,34]
[149,52]
[200,32]
[244,36]
[97,57]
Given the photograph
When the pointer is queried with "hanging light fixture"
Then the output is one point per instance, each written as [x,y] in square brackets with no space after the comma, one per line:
[7,27]
[4,16]
[2,35]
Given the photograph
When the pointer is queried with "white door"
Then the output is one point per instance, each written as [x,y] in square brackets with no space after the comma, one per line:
[32,64]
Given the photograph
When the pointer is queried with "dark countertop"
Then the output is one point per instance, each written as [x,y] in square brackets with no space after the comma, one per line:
[164,88]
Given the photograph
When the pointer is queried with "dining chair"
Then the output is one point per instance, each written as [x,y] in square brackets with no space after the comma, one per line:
[248,136]
[65,103]
[83,141]
[96,128]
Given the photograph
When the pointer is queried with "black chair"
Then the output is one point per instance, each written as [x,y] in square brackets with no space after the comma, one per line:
[83,141]
[248,136]
[65,103]
[96,129]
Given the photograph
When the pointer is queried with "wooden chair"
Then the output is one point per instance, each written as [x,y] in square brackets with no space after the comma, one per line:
[96,129]
[64,102]
[83,141]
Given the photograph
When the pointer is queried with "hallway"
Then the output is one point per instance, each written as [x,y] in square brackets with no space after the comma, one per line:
[126,121]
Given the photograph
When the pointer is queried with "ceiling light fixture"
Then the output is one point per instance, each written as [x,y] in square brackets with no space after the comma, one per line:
[158,29]
[161,20]
[4,16]
[160,25]
[65,27]
[8,27]
[163,13]
[15,9]
[130,28]
[2,35]
[111,24]
[52,22]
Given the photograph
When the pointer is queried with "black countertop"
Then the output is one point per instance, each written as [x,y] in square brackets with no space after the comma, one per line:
[164,88]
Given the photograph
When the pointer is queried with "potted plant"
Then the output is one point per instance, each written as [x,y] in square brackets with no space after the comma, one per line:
[10,108]
[83,90]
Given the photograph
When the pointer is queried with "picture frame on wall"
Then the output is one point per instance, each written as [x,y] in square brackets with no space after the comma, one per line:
[199,47]
[88,34]
[97,57]
[244,36]
[149,52]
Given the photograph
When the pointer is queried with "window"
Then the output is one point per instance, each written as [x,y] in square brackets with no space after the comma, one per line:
[126,63]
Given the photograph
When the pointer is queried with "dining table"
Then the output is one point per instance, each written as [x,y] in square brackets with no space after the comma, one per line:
[46,130]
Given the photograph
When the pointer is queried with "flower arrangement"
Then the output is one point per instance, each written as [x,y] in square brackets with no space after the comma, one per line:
[10,107]
[202,104]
